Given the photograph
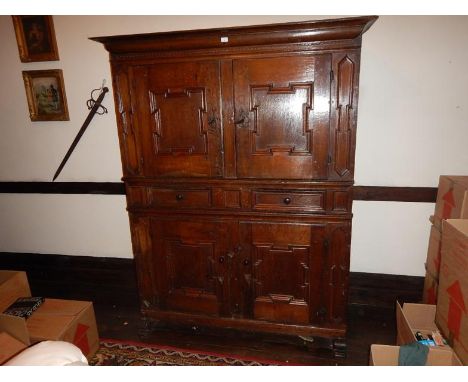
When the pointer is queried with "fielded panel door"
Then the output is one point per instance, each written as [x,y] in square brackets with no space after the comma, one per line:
[282,271]
[178,115]
[190,265]
[282,111]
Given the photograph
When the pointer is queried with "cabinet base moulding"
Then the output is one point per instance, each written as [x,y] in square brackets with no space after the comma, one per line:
[242,324]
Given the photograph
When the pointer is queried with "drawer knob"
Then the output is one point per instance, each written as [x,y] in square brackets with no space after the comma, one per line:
[287,200]
[179,197]
[246,262]
[221,259]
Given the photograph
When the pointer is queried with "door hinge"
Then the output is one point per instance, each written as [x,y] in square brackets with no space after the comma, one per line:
[326,244]
[332,76]
[329,158]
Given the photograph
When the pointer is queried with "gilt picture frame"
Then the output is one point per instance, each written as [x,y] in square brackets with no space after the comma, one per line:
[45,91]
[35,36]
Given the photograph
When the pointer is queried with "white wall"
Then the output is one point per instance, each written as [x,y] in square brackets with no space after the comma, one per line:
[412,128]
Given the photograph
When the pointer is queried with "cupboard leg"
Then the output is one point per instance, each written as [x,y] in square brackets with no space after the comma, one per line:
[147,327]
[339,348]
[317,344]
[325,347]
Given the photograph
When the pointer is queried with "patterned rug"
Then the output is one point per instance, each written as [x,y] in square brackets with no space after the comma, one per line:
[119,353]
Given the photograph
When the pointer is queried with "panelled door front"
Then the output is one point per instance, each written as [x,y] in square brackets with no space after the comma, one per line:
[178,117]
[190,265]
[282,107]
[282,271]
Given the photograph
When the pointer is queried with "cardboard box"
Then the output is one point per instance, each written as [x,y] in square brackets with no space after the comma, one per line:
[13,334]
[433,252]
[412,318]
[386,355]
[64,320]
[9,347]
[431,285]
[13,284]
[452,198]
[452,298]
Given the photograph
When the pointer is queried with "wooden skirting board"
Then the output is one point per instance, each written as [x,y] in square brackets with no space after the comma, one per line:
[111,281]
[99,188]
[371,193]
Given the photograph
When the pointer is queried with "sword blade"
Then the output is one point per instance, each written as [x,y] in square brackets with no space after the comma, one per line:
[87,121]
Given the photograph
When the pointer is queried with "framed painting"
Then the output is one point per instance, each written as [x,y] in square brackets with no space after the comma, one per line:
[45,92]
[35,36]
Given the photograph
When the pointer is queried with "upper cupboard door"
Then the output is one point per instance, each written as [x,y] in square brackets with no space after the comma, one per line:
[178,117]
[282,109]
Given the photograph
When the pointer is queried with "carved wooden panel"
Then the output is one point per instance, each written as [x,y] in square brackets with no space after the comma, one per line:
[232,198]
[341,201]
[343,120]
[190,265]
[144,262]
[336,272]
[285,268]
[186,107]
[129,149]
[180,118]
[281,116]
[137,196]
[281,119]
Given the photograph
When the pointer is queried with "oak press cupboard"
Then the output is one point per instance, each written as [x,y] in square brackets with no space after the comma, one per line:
[237,149]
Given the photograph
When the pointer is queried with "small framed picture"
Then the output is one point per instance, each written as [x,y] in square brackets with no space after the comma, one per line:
[35,36]
[45,92]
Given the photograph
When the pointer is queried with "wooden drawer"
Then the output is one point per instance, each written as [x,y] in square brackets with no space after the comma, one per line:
[288,200]
[183,198]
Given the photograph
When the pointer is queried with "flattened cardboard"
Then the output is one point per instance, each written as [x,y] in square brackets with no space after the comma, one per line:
[452,304]
[9,347]
[386,355]
[452,198]
[13,284]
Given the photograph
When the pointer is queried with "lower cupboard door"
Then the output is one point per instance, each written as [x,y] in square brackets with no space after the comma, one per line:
[285,271]
[189,265]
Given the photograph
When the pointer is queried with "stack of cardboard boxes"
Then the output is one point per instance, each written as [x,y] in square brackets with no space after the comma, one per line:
[63,320]
[446,284]
[452,203]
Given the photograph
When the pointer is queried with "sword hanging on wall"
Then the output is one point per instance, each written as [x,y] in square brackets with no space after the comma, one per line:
[95,107]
